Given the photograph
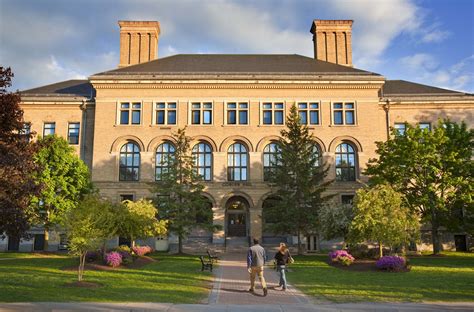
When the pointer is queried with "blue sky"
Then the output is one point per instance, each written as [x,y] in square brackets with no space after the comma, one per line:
[426,41]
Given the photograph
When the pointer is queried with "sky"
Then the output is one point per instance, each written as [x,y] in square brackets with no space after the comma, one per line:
[425,41]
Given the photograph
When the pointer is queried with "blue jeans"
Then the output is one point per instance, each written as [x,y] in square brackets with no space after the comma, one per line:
[281,269]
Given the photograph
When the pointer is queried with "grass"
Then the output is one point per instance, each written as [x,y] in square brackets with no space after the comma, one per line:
[174,279]
[446,278]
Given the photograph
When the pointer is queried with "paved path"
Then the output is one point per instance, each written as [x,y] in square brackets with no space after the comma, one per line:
[232,282]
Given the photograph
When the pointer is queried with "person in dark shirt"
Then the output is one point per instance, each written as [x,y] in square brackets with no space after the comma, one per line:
[282,259]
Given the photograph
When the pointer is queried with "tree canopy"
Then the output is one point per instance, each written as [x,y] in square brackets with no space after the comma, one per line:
[381,216]
[432,169]
[16,163]
[298,181]
[180,191]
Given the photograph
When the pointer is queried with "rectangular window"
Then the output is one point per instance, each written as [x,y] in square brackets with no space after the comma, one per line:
[73,133]
[400,127]
[165,113]
[201,113]
[26,131]
[425,125]
[273,113]
[344,113]
[130,113]
[347,199]
[49,128]
[237,113]
[124,197]
[308,113]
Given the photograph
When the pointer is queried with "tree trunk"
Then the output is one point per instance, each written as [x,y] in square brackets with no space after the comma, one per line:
[380,250]
[435,237]
[46,238]
[80,270]
[300,249]
[104,249]
[132,242]
[180,244]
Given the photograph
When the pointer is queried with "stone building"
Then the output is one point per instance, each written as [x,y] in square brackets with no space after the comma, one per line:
[234,106]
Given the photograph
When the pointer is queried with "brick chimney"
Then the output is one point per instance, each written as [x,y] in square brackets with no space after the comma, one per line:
[138,42]
[332,41]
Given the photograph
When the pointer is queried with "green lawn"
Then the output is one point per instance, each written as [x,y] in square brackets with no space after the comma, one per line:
[176,279]
[447,278]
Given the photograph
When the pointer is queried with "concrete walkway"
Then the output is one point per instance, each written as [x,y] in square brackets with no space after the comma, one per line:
[231,285]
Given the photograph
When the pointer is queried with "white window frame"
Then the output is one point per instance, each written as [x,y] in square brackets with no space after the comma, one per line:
[49,122]
[166,109]
[425,123]
[237,110]
[308,110]
[201,114]
[273,102]
[130,109]
[356,119]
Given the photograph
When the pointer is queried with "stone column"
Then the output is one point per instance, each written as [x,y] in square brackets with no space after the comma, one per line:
[256,223]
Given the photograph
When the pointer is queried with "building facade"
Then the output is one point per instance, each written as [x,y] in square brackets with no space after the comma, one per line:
[233,106]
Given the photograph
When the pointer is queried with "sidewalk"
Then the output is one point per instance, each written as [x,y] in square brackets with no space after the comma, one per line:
[232,282]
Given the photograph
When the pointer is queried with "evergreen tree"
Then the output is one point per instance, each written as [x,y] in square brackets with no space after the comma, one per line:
[298,180]
[65,179]
[16,163]
[180,192]
[432,169]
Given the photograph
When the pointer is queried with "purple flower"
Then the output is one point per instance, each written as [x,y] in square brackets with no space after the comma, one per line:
[341,256]
[114,259]
[391,263]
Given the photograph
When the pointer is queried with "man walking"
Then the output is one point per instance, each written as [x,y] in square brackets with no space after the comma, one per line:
[255,262]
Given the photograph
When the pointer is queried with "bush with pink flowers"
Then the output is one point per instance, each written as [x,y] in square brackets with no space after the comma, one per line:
[341,256]
[141,250]
[114,259]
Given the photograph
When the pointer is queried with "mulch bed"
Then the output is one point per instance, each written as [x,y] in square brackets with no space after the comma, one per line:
[83,284]
[363,265]
[100,266]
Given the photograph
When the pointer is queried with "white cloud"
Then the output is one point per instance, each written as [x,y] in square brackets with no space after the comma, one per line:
[426,68]
[435,36]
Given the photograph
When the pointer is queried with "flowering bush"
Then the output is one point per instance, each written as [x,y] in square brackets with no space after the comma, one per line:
[123,248]
[391,263]
[114,259]
[341,256]
[141,250]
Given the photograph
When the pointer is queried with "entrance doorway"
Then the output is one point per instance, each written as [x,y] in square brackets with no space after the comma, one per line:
[13,243]
[237,217]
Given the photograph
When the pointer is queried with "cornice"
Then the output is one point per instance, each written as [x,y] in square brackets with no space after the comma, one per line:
[236,85]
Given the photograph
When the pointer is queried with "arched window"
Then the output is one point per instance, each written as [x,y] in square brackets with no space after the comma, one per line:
[164,159]
[271,155]
[237,162]
[202,156]
[345,162]
[317,155]
[129,168]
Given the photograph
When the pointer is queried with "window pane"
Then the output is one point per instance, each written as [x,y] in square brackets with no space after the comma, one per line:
[172,117]
[207,117]
[337,105]
[267,117]
[135,117]
[231,105]
[349,118]
[124,117]
[244,174]
[400,127]
[243,117]
[231,117]
[160,105]
[278,118]
[349,105]
[425,125]
[160,117]
[302,105]
[314,117]
[171,105]
[136,105]
[314,105]
[303,117]
[125,105]
[196,105]
[196,117]
[243,105]
[278,105]
[207,105]
[338,118]
[267,105]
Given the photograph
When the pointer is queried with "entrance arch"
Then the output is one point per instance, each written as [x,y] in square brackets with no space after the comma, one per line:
[237,217]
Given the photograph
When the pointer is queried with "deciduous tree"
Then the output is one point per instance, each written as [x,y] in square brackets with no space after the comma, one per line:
[16,163]
[381,216]
[432,169]
[65,179]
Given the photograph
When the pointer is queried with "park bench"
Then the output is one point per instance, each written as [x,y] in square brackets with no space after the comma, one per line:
[205,264]
[212,258]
